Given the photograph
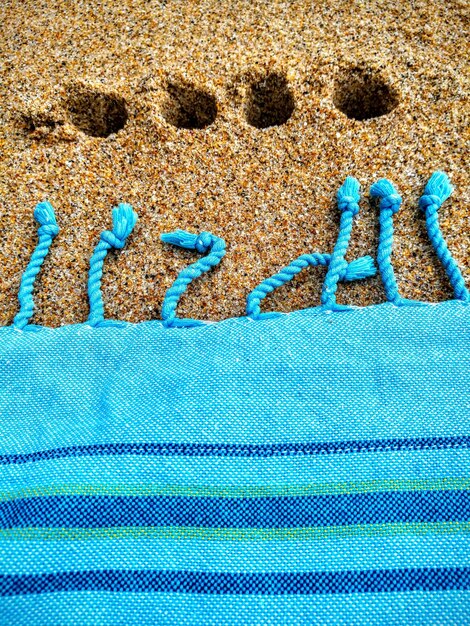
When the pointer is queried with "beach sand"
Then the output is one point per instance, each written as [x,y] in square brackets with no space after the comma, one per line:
[241,118]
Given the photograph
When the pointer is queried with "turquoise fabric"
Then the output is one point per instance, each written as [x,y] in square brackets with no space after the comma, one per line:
[311,406]
[301,468]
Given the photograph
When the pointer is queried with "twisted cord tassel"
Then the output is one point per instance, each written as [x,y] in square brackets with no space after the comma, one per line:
[205,242]
[348,203]
[124,220]
[356,270]
[436,192]
[48,229]
[390,202]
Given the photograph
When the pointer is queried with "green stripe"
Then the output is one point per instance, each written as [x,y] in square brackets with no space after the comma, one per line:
[236,534]
[342,488]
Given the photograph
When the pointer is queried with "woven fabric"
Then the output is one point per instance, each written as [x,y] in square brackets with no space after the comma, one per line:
[296,469]
[312,468]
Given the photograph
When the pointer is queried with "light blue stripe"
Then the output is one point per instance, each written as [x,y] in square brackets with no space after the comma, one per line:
[30,557]
[386,371]
[451,608]
[218,471]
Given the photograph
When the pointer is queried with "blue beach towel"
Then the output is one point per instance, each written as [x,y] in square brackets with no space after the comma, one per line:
[301,468]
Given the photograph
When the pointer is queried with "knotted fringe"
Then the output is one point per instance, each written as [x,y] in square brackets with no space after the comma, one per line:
[435,194]
[437,190]
[48,229]
[390,202]
[338,268]
[124,220]
[205,242]
[348,197]
[355,270]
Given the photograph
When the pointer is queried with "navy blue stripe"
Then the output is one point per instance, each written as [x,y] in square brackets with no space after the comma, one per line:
[240,450]
[271,583]
[209,512]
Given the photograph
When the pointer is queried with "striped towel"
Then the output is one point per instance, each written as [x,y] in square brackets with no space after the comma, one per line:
[307,469]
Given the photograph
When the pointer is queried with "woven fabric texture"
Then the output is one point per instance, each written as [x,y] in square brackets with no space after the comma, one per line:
[308,468]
